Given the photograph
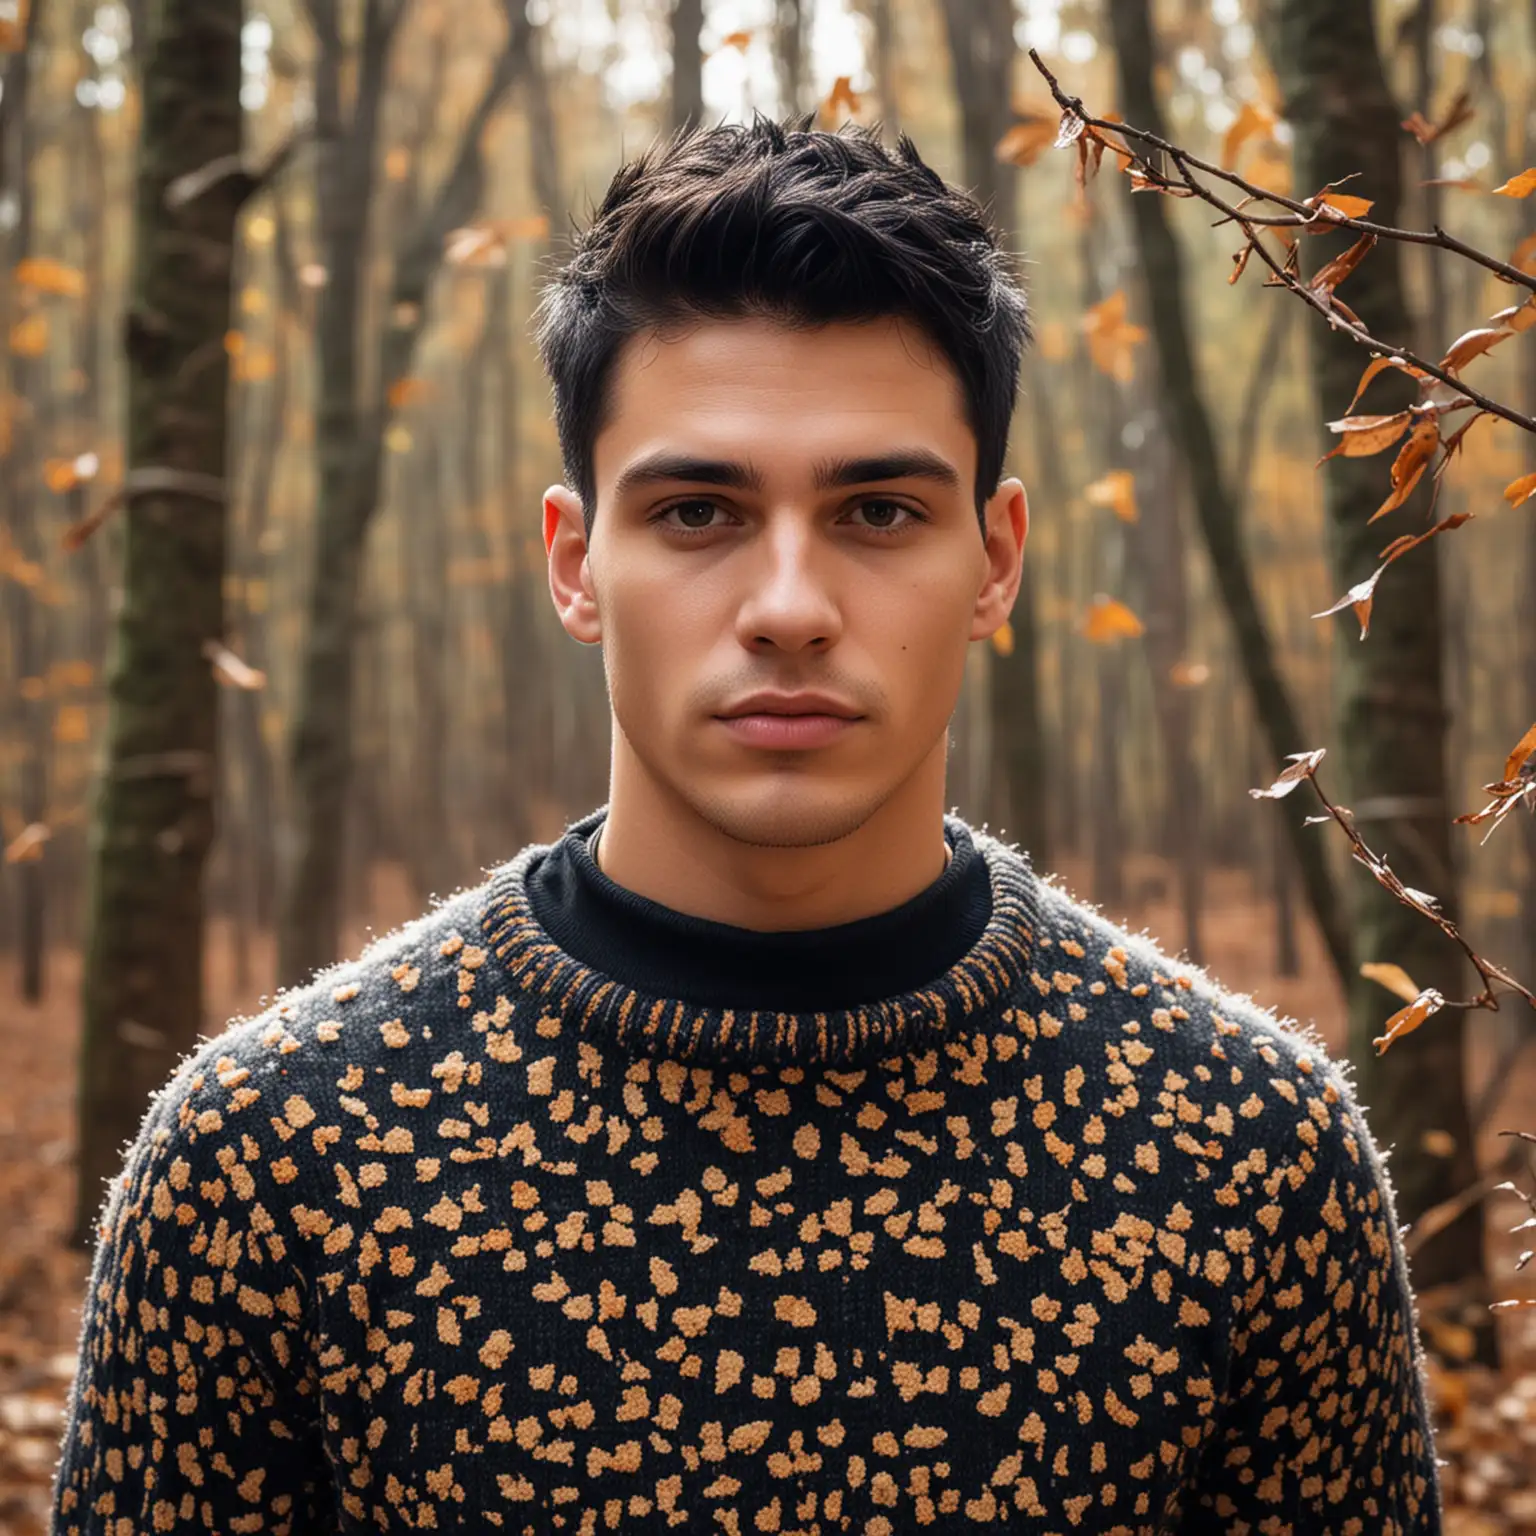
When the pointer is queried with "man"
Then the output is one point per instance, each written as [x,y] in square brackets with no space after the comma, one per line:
[772,1152]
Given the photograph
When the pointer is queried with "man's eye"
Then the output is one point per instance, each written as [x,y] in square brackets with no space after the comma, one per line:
[694,516]
[886,516]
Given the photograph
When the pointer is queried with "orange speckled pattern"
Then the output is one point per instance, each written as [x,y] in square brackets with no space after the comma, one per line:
[466,1236]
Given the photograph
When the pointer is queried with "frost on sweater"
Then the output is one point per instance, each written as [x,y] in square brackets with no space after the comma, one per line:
[467,1235]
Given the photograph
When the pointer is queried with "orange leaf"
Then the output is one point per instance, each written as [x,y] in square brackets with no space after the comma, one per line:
[1271,171]
[740,41]
[1406,1020]
[1112,338]
[841,95]
[1393,977]
[1117,491]
[1517,759]
[1025,142]
[1002,639]
[45,275]
[1521,490]
[29,337]
[27,846]
[1330,275]
[1426,132]
[1253,120]
[1107,620]
[1337,202]
[1518,317]
[1365,435]
[1518,186]
[71,725]
[406,391]
[1524,255]
[1472,344]
[1409,465]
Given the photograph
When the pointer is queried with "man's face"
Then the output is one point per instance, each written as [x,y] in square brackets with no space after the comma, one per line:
[785,568]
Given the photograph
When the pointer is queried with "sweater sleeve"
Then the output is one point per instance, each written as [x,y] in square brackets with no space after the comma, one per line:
[191,1410]
[1324,1426]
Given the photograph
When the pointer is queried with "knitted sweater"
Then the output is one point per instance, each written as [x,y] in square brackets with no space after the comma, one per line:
[517,1223]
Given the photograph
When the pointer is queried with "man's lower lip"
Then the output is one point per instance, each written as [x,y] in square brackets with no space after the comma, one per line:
[787,731]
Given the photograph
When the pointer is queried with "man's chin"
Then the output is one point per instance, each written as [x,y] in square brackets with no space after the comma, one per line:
[781,815]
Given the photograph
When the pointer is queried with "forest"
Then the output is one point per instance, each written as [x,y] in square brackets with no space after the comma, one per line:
[278,664]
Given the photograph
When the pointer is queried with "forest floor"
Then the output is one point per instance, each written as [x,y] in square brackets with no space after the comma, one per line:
[1486,1421]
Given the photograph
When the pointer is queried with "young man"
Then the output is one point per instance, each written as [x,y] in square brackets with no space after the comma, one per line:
[772,1152]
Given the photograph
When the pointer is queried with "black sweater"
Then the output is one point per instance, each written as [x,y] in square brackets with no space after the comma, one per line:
[560,1211]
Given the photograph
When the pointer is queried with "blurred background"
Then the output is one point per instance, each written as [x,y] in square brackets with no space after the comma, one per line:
[394,705]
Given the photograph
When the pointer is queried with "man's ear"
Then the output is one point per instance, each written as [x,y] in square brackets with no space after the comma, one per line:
[570,572]
[1007,529]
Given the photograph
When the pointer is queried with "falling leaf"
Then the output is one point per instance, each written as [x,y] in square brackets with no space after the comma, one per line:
[1253,120]
[1365,435]
[1428,1003]
[1521,490]
[1472,344]
[407,391]
[29,337]
[1117,491]
[71,725]
[27,846]
[1521,754]
[842,95]
[1108,620]
[1438,1143]
[1332,273]
[230,670]
[1002,639]
[1189,674]
[43,274]
[1026,141]
[1409,465]
[1112,338]
[1270,172]
[1303,766]
[1426,132]
[1518,186]
[485,244]
[1393,977]
[740,41]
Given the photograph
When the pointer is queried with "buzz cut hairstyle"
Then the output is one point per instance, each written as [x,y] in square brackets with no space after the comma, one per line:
[802,226]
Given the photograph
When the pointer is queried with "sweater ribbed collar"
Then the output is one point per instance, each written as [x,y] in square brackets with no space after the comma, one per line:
[663,983]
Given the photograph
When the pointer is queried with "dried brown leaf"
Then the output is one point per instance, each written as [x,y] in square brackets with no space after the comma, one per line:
[1519,756]
[1303,766]
[1428,1003]
[1409,465]
[1393,977]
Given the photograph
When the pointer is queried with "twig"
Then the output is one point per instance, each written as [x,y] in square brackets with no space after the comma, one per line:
[1304,215]
[150,480]
[1314,217]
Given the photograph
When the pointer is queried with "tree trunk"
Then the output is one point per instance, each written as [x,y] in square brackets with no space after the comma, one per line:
[982,51]
[789,42]
[1163,274]
[687,62]
[142,987]
[884,24]
[1389,702]
[349,439]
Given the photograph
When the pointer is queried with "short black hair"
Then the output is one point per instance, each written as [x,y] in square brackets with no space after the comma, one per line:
[799,225]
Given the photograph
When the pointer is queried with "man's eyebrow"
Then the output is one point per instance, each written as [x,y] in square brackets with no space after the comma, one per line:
[664,466]
[899,464]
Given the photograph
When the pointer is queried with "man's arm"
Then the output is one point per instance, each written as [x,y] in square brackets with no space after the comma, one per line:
[192,1408]
[1324,1427]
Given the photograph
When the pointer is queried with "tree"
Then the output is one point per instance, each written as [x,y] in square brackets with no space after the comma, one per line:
[1186,413]
[1389,704]
[356,405]
[982,51]
[153,818]
[687,62]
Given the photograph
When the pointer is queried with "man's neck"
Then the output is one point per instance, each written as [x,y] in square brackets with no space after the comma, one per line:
[654,844]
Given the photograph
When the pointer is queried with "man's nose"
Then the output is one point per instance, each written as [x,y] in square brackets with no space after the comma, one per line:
[791,606]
